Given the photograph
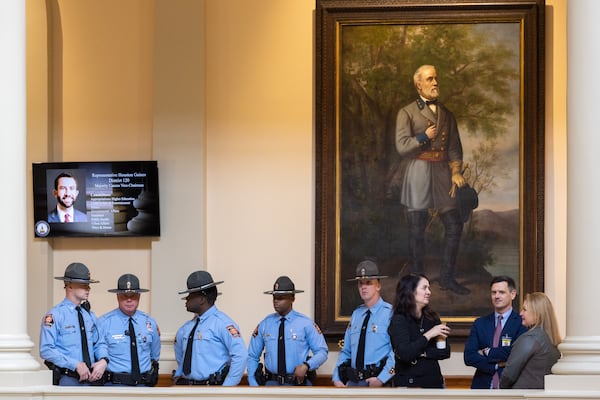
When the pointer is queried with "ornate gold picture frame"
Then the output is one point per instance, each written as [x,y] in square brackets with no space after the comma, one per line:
[489,58]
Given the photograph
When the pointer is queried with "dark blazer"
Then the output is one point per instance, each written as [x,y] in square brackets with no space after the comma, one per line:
[481,336]
[79,216]
[416,358]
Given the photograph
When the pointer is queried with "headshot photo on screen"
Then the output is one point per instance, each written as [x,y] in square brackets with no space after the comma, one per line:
[65,190]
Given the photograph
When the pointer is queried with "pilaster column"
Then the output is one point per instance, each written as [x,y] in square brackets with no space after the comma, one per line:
[17,365]
[580,363]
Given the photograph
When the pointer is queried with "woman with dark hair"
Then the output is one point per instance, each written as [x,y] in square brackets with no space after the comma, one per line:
[418,336]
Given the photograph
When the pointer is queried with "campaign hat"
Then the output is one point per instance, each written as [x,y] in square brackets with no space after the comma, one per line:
[283,285]
[367,270]
[77,273]
[198,281]
[128,283]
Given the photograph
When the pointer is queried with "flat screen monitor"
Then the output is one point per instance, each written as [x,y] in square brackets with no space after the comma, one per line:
[96,199]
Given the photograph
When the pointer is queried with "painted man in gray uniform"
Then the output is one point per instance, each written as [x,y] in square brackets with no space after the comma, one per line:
[428,141]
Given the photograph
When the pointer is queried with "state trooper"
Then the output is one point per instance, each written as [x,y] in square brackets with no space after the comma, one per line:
[300,350]
[69,340]
[209,348]
[132,337]
[367,358]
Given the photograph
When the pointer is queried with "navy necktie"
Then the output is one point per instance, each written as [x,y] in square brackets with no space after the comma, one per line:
[187,359]
[360,355]
[84,344]
[281,367]
[135,362]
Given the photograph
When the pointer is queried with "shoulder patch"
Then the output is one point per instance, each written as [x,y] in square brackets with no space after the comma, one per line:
[317,328]
[233,330]
[48,320]
[255,333]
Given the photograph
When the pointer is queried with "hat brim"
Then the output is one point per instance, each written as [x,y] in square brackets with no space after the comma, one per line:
[119,291]
[218,294]
[283,291]
[358,278]
[201,288]
[75,280]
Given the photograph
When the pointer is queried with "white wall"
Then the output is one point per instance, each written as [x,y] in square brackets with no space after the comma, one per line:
[259,152]
[101,71]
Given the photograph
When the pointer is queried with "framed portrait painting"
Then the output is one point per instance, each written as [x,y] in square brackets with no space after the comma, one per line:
[382,175]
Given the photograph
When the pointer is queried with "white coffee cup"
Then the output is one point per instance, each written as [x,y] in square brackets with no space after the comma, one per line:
[441,342]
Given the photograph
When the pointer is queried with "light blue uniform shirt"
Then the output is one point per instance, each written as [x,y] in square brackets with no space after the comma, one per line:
[377,340]
[302,335]
[114,329]
[60,336]
[217,342]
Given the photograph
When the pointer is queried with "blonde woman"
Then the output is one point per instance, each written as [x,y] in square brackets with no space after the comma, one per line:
[534,352]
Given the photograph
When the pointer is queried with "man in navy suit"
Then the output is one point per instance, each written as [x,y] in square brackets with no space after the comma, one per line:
[66,192]
[480,351]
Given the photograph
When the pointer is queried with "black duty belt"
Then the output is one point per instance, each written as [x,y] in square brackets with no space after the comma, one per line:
[283,379]
[356,375]
[68,372]
[347,373]
[216,379]
[204,382]
[127,379]
[73,374]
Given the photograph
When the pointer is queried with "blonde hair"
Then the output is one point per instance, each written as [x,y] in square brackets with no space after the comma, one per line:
[541,309]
